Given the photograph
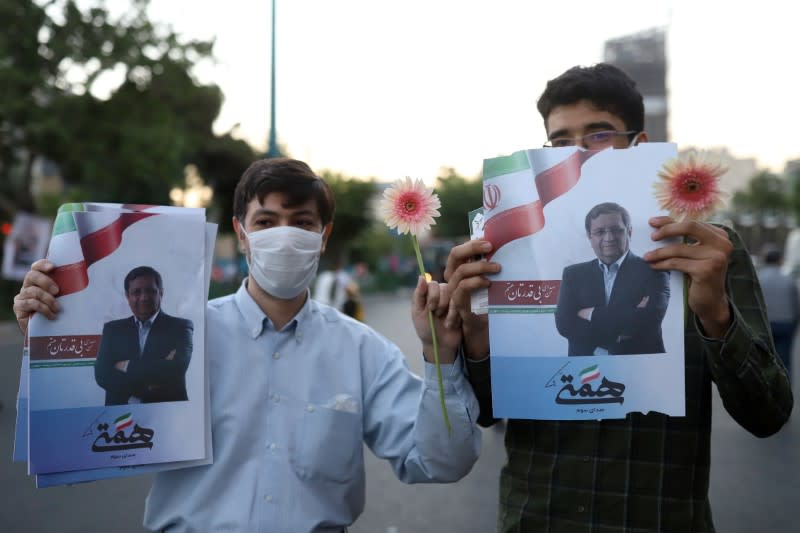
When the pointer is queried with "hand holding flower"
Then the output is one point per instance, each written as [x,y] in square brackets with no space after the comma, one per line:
[432,296]
[689,190]
[411,207]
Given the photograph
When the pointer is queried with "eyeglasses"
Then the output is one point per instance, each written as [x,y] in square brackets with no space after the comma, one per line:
[614,232]
[597,139]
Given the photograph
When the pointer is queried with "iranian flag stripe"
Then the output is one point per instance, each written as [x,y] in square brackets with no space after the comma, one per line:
[123,421]
[73,276]
[524,220]
[589,374]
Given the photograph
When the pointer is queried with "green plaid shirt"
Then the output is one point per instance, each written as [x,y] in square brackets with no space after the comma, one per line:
[647,472]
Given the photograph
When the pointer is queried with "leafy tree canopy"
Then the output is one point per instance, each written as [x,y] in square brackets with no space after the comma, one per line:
[58,62]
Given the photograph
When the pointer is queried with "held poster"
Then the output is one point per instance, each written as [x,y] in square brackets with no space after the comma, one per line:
[104,391]
[581,327]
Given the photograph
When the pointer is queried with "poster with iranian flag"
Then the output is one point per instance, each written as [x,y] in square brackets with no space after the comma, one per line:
[580,326]
[119,381]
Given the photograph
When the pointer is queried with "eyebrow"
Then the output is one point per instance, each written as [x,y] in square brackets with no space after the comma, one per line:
[268,212]
[600,125]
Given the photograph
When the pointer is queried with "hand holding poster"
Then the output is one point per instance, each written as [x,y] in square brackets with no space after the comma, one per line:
[118,379]
[580,326]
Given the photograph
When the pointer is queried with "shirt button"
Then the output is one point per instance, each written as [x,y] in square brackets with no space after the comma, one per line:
[581,508]
[255,332]
[268,498]
[299,336]
[276,398]
[276,355]
[273,446]
[310,408]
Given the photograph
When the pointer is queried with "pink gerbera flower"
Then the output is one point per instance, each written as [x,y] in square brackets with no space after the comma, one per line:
[409,206]
[689,188]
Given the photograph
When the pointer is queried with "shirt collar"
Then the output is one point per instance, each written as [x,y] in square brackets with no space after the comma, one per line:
[148,322]
[255,319]
[618,262]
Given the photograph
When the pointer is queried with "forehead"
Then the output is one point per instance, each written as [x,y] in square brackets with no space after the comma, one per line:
[580,117]
[276,203]
[146,280]
[608,219]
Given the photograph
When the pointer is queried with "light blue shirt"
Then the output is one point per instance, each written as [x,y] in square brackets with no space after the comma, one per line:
[290,410]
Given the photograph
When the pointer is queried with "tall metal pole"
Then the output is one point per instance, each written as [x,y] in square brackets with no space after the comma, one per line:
[273,150]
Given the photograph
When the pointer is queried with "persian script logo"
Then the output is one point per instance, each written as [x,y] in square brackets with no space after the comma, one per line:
[607,391]
[138,437]
[491,196]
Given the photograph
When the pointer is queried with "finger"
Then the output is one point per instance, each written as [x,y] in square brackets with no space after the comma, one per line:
[433,296]
[464,253]
[420,295]
[475,269]
[24,307]
[698,231]
[36,278]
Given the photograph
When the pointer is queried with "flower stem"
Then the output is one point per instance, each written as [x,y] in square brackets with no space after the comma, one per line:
[435,343]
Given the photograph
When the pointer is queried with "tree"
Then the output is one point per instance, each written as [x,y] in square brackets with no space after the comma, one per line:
[129,145]
[765,192]
[353,199]
[459,196]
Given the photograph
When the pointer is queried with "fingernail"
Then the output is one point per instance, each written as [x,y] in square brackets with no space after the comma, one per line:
[486,247]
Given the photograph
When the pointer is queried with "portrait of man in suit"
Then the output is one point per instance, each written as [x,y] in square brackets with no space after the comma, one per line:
[612,305]
[143,358]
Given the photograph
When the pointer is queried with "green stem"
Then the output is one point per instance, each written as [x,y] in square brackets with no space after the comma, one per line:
[435,343]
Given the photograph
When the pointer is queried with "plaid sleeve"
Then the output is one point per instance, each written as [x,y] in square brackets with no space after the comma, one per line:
[752,383]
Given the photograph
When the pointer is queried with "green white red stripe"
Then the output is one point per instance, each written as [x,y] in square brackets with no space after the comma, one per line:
[122,422]
[589,374]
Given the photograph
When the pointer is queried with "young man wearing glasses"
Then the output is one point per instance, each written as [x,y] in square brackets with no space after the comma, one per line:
[612,305]
[645,472]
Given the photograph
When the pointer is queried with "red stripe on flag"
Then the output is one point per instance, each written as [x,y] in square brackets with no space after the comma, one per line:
[525,220]
[95,246]
[126,424]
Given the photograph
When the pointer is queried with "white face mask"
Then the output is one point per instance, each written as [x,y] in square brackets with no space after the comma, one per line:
[284,259]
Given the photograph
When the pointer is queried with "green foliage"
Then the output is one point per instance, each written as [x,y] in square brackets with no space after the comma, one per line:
[765,192]
[130,145]
[459,196]
[352,216]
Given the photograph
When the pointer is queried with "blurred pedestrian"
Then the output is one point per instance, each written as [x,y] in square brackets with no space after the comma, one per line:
[352,303]
[783,304]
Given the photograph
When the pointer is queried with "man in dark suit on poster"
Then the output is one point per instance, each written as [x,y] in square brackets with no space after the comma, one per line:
[143,358]
[612,305]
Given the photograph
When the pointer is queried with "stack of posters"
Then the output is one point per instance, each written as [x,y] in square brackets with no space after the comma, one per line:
[580,327]
[117,384]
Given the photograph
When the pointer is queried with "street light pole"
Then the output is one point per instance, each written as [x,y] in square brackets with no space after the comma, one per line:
[273,150]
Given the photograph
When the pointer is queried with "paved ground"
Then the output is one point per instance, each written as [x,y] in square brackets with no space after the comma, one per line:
[753,485]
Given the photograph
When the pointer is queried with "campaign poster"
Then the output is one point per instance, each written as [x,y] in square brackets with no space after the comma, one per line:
[580,326]
[26,243]
[119,378]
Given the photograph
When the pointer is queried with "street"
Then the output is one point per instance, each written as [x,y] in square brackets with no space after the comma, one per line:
[753,481]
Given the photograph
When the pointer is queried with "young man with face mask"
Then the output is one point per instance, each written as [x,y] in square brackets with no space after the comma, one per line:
[648,472]
[297,387]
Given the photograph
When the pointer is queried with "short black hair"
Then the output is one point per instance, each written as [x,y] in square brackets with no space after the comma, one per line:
[142,271]
[291,177]
[607,87]
[607,208]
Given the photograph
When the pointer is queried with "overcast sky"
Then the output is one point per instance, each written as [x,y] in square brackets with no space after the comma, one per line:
[389,89]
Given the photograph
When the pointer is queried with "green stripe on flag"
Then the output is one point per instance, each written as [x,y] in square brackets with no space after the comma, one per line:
[65,222]
[588,370]
[499,166]
[61,364]
[519,310]
[123,417]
